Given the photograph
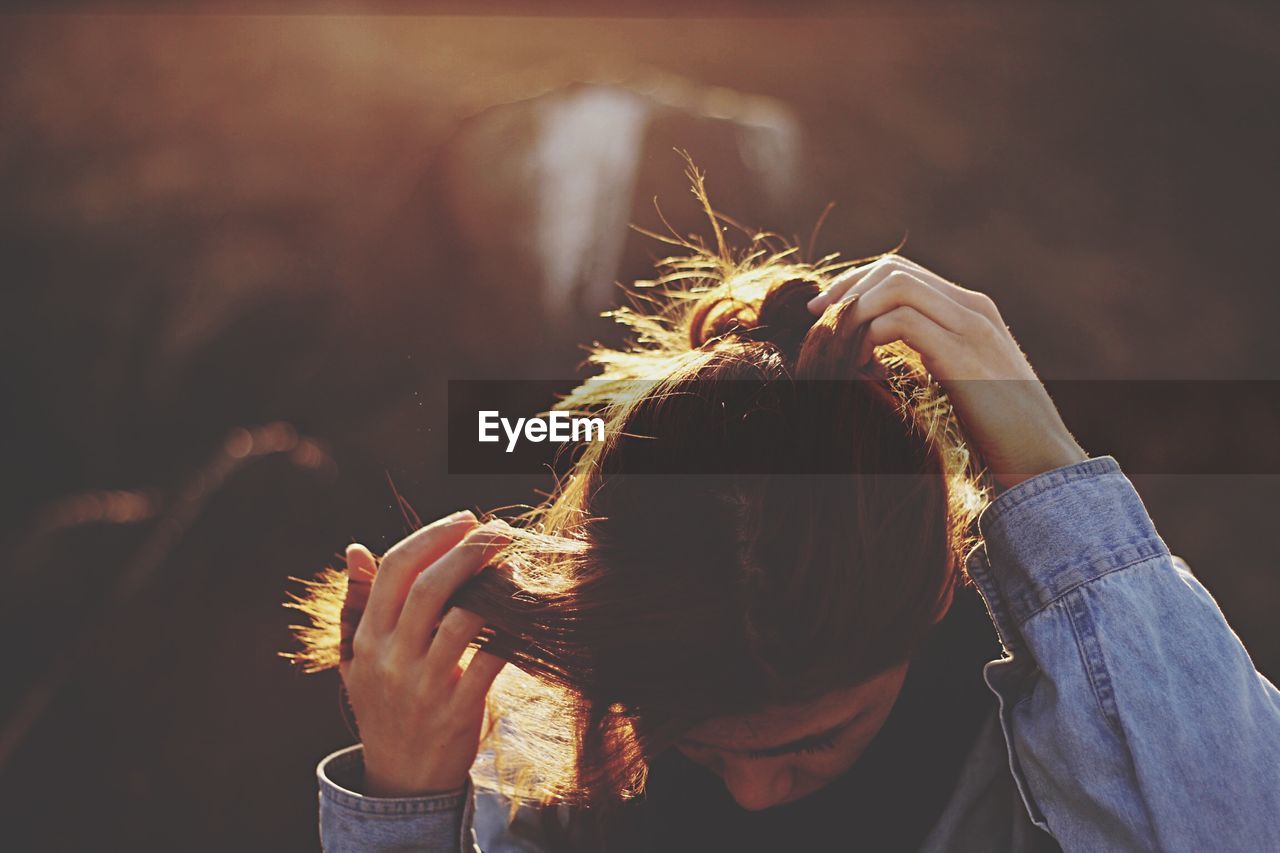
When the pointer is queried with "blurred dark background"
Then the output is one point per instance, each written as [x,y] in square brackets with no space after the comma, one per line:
[242,254]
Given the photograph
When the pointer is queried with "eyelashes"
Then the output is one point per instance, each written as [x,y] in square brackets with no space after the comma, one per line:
[820,743]
[808,746]
[826,743]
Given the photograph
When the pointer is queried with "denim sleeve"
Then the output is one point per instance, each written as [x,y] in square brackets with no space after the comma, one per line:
[353,823]
[1134,718]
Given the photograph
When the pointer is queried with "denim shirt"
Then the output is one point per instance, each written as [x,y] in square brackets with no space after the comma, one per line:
[1129,715]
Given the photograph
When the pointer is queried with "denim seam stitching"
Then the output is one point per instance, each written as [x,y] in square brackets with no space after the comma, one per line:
[466,829]
[350,759]
[979,568]
[1086,581]
[1094,661]
[398,818]
[1004,715]
[360,806]
[1110,709]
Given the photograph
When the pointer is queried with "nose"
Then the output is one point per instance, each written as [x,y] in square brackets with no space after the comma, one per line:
[757,785]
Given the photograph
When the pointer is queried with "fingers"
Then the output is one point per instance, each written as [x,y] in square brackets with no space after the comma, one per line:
[971,299]
[840,285]
[477,679]
[855,283]
[361,568]
[403,563]
[936,345]
[953,329]
[870,278]
[433,587]
[895,288]
[457,629]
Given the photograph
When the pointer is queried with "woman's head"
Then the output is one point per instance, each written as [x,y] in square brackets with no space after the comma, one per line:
[742,569]
[783,753]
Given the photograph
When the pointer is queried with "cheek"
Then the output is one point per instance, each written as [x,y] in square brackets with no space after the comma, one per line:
[825,766]
[705,757]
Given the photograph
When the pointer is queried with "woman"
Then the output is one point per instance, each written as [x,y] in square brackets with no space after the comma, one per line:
[749,618]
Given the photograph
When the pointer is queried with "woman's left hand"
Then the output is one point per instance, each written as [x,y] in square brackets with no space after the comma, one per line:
[1005,410]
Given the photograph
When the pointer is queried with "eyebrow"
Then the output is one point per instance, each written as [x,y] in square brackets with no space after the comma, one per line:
[810,740]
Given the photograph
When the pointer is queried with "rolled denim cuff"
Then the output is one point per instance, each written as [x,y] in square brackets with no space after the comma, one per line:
[1054,532]
[352,821]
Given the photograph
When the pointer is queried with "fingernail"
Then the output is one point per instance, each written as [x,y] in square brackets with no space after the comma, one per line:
[460,514]
[818,303]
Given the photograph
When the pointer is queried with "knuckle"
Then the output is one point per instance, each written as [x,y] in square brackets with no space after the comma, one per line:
[908,317]
[422,584]
[453,627]
[985,304]
[899,281]
[879,327]
[425,591]
[886,327]
[449,634]
[383,668]
[904,264]
[882,325]
[363,645]
[883,267]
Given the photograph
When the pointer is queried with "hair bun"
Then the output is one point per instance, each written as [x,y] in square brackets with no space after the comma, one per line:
[781,317]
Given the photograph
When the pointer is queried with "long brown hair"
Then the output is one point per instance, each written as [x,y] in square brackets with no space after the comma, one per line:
[634,604]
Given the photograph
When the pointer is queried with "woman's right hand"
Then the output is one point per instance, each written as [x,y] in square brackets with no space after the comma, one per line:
[419,712]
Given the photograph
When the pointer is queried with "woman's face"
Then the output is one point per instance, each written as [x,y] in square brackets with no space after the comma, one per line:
[786,753]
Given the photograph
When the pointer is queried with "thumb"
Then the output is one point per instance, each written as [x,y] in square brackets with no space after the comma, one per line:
[361,563]
[361,567]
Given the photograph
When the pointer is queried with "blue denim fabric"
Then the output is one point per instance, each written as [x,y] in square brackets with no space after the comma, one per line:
[351,822]
[1130,716]
[1134,718]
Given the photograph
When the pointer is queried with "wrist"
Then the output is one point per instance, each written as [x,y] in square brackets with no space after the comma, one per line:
[389,784]
[1059,455]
